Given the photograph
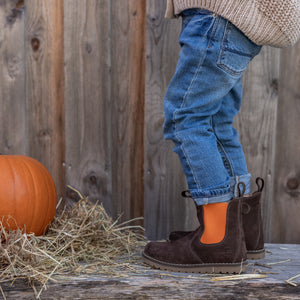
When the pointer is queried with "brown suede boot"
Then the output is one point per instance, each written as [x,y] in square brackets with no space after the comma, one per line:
[188,254]
[252,223]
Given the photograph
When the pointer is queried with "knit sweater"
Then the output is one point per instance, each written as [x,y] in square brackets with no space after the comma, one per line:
[265,22]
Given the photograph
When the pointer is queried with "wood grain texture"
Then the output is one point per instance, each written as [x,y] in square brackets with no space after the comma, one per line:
[45,86]
[256,124]
[286,225]
[88,104]
[127,104]
[12,78]
[281,263]
[165,209]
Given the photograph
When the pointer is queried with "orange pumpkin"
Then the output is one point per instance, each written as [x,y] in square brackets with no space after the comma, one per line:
[27,194]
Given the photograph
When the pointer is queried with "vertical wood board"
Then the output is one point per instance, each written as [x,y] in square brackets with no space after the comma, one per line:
[45,86]
[127,104]
[87,94]
[286,202]
[12,78]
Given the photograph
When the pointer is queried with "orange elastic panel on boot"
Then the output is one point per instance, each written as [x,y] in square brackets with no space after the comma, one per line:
[215,216]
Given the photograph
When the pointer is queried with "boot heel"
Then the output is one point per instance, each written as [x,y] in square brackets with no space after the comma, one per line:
[257,254]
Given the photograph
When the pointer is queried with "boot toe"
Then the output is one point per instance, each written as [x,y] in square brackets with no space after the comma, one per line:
[157,250]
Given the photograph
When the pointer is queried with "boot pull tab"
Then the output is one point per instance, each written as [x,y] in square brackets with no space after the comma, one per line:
[186,194]
[260,184]
[243,190]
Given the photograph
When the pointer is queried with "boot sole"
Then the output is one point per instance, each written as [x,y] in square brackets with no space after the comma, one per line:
[256,254]
[231,268]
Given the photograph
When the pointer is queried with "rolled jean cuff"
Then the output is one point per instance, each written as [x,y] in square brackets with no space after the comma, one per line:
[223,194]
[234,184]
[215,196]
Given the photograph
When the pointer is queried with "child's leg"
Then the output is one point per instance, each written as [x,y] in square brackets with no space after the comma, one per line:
[229,145]
[213,57]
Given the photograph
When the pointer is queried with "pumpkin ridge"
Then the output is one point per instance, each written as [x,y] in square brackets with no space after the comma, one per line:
[31,224]
[45,173]
[49,189]
[12,207]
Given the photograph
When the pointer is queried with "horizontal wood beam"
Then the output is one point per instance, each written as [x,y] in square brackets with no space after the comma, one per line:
[281,263]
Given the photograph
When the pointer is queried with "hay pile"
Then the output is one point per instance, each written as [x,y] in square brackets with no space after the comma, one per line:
[82,240]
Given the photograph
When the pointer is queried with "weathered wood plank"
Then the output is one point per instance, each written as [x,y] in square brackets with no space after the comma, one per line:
[88,106]
[281,263]
[165,209]
[286,225]
[127,100]
[45,86]
[12,78]
[256,124]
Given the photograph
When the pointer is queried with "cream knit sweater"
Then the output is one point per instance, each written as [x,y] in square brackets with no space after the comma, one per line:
[265,22]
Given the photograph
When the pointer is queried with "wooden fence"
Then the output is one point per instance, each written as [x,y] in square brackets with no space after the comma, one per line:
[81,89]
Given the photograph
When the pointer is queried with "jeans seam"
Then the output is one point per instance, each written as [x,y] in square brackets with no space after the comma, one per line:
[230,172]
[189,163]
[198,69]
[211,38]
[230,169]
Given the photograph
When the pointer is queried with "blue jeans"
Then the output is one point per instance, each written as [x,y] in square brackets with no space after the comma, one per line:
[204,95]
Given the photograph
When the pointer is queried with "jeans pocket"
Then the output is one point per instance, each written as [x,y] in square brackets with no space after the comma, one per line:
[236,51]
